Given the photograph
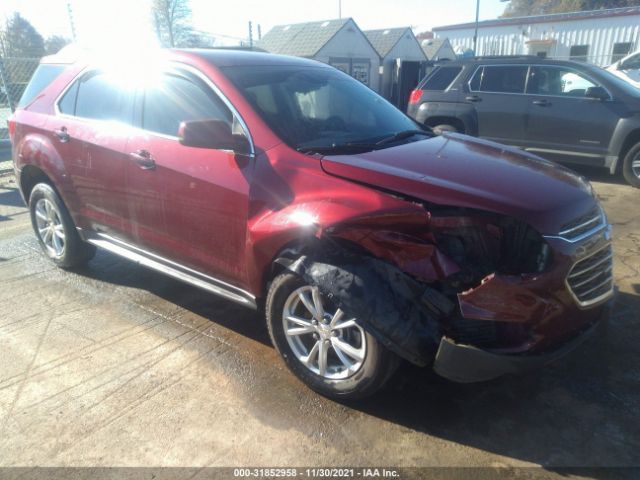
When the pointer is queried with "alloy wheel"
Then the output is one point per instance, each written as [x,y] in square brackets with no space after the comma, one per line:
[324,339]
[635,165]
[50,227]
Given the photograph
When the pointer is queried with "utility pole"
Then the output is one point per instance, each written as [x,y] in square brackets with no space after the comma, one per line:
[259,32]
[475,33]
[339,8]
[73,27]
[250,35]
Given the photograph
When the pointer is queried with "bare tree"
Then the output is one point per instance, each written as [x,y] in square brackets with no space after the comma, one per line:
[172,19]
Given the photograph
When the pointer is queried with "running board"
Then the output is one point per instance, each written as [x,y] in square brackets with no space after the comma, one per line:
[174,270]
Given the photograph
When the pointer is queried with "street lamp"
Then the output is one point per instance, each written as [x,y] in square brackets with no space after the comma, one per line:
[475,33]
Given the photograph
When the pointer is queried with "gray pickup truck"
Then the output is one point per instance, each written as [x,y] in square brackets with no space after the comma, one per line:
[566,111]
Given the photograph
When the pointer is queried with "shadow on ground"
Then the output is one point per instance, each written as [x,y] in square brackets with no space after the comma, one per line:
[583,410]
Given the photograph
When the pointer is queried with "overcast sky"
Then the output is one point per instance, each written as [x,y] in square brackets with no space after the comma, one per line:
[116,21]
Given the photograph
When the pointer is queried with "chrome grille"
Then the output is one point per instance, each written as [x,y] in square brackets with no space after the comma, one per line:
[591,279]
[583,224]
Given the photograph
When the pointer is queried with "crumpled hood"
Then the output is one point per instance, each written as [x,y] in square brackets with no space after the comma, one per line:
[458,170]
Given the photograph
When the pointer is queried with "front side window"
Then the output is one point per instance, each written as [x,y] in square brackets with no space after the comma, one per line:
[579,53]
[99,96]
[500,79]
[557,81]
[176,99]
[317,106]
[441,78]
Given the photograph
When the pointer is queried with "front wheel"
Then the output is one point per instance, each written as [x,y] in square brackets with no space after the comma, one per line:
[55,229]
[631,166]
[325,348]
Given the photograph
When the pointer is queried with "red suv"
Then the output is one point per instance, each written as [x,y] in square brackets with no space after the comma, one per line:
[281,183]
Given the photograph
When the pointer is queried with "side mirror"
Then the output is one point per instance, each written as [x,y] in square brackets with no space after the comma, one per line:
[214,134]
[596,93]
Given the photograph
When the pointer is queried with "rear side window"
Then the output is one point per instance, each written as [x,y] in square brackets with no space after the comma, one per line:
[177,99]
[41,79]
[499,79]
[100,97]
[441,78]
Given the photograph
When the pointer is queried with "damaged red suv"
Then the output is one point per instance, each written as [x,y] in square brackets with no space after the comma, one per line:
[283,183]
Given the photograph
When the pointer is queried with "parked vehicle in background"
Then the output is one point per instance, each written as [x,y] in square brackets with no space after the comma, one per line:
[562,110]
[628,69]
[283,182]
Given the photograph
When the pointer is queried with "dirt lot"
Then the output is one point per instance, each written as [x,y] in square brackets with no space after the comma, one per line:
[118,366]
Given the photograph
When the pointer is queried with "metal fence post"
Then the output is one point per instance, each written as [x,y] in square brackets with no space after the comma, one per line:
[5,85]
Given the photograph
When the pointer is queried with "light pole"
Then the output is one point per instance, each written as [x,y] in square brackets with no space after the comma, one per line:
[475,33]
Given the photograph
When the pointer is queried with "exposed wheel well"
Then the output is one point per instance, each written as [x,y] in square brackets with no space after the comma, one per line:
[453,121]
[30,176]
[632,139]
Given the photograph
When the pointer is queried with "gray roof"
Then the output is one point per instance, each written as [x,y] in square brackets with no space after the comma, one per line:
[300,39]
[431,46]
[554,17]
[384,39]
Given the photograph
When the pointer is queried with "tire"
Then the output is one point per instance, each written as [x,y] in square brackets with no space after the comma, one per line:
[439,129]
[632,173]
[364,378]
[55,229]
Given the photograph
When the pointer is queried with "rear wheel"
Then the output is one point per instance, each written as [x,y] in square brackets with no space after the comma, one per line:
[325,348]
[55,229]
[631,166]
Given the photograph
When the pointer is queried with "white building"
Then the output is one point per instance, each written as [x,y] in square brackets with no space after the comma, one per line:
[339,43]
[599,36]
[395,46]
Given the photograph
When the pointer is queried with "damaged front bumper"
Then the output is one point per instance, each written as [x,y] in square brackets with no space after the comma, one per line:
[467,364]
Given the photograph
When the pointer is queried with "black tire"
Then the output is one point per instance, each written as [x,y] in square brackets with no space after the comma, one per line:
[633,155]
[377,367]
[75,252]
[439,129]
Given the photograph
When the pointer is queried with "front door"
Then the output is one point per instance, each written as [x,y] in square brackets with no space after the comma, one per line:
[187,204]
[563,123]
[497,95]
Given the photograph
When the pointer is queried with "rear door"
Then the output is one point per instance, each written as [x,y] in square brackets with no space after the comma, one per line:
[187,204]
[496,93]
[563,123]
[92,125]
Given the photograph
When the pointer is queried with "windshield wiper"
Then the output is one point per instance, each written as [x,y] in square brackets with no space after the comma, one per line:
[402,135]
[337,147]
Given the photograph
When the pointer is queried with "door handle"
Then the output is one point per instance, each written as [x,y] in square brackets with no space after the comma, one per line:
[143,159]
[62,134]
[542,103]
[473,98]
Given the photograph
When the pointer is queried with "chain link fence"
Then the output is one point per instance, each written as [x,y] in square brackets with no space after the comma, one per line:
[14,76]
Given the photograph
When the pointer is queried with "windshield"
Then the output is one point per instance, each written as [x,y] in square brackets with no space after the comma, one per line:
[321,108]
[623,85]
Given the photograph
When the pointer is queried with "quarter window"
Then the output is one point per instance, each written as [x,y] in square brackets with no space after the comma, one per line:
[557,81]
[579,53]
[177,99]
[100,97]
[620,50]
[500,79]
[441,78]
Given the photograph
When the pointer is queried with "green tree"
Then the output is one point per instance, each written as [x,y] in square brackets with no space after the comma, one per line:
[54,43]
[172,19]
[20,39]
[521,8]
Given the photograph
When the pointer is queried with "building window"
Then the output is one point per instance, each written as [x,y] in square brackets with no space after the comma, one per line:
[579,53]
[620,50]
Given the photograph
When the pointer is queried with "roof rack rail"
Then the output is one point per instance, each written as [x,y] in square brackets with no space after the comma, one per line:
[505,57]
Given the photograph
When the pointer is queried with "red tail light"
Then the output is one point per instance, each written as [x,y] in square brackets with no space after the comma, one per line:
[415,96]
[12,129]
